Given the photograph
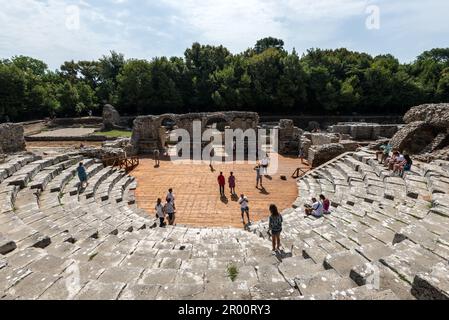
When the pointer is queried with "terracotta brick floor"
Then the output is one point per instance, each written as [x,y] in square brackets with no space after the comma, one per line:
[197,194]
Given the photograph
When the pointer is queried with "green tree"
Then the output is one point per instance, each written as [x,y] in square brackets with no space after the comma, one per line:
[201,63]
[267,43]
[134,87]
[12,92]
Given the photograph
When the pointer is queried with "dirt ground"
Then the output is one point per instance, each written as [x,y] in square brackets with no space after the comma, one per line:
[197,193]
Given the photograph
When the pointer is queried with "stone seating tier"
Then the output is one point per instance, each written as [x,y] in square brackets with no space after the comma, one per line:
[386,238]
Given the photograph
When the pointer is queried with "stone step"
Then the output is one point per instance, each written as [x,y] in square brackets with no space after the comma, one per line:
[91,171]
[295,267]
[409,259]
[6,245]
[96,180]
[343,262]
[432,285]
[323,282]
[59,182]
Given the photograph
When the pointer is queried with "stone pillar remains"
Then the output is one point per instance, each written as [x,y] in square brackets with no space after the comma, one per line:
[12,137]
[319,155]
[111,117]
[289,137]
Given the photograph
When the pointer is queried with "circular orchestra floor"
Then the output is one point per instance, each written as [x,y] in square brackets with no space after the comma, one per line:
[198,201]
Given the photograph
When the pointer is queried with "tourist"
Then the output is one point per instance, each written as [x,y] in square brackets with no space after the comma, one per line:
[157,155]
[405,165]
[170,211]
[221,183]
[326,204]
[160,212]
[316,209]
[212,155]
[170,196]
[244,208]
[265,163]
[302,155]
[231,182]
[82,175]
[391,161]
[259,178]
[384,151]
[275,226]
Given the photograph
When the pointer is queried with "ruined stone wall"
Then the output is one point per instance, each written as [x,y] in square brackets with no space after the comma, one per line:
[319,155]
[366,131]
[426,132]
[147,135]
[111,117]
[289,137]
[319,139]
[11,138]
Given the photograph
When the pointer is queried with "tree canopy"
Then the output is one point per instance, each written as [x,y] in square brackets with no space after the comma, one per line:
[265,78]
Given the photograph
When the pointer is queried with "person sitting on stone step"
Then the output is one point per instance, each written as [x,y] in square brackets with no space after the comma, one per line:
[326,204]
[384,152]
[403,166]
[316,209]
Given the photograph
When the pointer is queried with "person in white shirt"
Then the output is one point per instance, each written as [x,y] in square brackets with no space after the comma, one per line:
[316,209]
[171,196]
[160,212]
[170,211]
[265,163]
[243,201]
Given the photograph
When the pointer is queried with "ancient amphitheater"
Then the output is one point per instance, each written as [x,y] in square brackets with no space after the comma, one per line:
[387,237]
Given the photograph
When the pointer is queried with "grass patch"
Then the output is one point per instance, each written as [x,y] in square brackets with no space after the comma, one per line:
[114,134]
[232,272]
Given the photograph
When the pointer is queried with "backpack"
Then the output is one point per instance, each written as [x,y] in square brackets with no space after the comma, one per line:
[276,223]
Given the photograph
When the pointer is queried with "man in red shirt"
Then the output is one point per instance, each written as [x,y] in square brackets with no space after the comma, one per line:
[222,182]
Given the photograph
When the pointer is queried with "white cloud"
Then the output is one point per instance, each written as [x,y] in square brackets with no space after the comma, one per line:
[238,24]
[39,29]
[143,29]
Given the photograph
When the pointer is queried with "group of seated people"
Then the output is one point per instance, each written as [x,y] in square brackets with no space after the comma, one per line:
[318,207]
[395,161]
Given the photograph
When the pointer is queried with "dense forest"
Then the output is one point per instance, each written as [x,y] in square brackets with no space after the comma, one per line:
[266,79]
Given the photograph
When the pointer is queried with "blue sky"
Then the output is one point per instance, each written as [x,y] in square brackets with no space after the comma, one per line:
[51,30]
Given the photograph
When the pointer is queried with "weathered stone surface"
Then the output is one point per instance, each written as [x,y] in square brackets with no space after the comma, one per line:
[319,139]
[111,118]
[323,282]
[103,153]
[413,138]
[350,145]
[6,245]
[433,285]
[425,133]
[289,137]
[343,262]
[434,114]
[149,131]
[365,131]
[319,155]
[11,138]
[96,290]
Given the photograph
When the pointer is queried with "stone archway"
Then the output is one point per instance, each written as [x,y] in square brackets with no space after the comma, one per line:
[165,125]
[219,122]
